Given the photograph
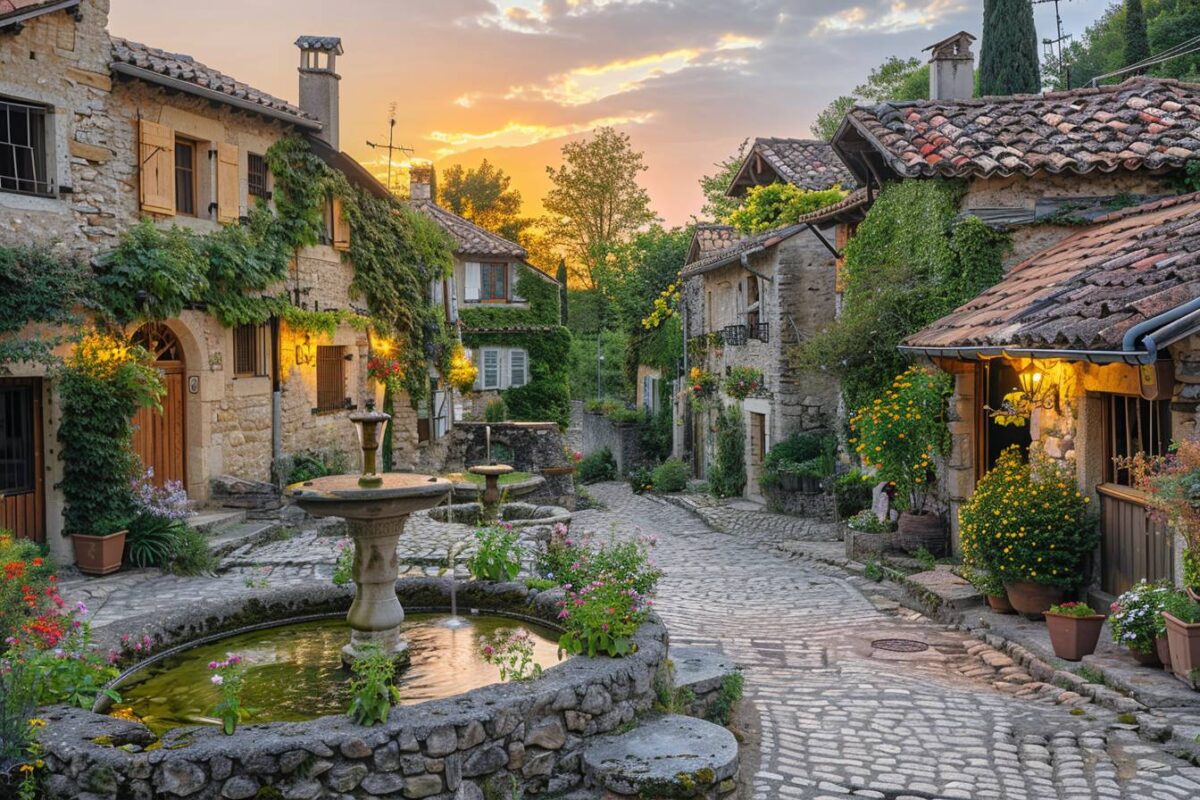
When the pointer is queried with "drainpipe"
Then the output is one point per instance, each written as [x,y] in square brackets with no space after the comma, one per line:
[687,405]
[1146,330]
[276,402]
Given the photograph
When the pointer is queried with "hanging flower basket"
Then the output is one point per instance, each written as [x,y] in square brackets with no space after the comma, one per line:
[742,382]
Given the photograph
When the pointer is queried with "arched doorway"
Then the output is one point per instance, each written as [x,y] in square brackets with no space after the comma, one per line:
[159,437]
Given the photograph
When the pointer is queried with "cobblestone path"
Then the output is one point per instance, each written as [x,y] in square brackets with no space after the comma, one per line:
[841,718]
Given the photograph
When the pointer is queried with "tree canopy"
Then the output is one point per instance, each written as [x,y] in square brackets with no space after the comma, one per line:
[895,79]
[1137,42]
[484,196]
[717,206]
[1008,58]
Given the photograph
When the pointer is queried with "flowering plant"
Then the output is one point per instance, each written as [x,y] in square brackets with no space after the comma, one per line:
[497,555]
[703,383]
[388,372]
[1027,522]
[230,677]
[462,372]
[601,617]
[741,382]
[511,649]
[1172,483]
[900,433]
[170,501]
[1136,619]
[1072,609]
[373,687]
[24,583]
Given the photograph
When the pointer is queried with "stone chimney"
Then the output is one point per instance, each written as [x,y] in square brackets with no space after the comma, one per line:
[952,68]
[422,182]
[319,82]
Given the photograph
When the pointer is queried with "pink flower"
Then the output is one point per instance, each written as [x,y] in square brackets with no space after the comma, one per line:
[217,680]
[213,665]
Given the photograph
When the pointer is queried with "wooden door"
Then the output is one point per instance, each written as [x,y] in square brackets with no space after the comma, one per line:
[159,434]
[22,475]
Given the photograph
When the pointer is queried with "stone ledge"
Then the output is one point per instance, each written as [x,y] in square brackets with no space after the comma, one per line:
[670,756]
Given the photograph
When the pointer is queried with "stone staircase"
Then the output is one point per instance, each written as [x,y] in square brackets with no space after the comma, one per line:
[227,529]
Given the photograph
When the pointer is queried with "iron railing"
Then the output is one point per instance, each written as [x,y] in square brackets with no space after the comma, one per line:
[734,335]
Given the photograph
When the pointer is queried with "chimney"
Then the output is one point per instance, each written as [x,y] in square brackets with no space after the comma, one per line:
[952,68]
[319,82]
[422,182]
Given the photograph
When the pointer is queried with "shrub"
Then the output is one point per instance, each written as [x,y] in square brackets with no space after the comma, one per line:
[641,479]
[373,689]
[656,434]
[670,476]
[598,466]
[497,555]
[624,416]
[152,540]
[601,617]
[988,584]
[1027,523]
[727,475]
[902,432]
[574,562]
[1182,608]
[496,411]
[866,521]
[1136,619]
[26,578]
[305,465]
[802,455]
[1073,610]
[852,493]
[192,556]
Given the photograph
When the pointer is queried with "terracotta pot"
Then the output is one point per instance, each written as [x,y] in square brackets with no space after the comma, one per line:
[1032,599]
[1162,648]
[99,555]
[921,530]
[1074,637]
[1000,604]
[1146,659]
[1184,641]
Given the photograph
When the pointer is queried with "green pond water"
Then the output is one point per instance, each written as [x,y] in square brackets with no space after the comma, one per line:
[295,671]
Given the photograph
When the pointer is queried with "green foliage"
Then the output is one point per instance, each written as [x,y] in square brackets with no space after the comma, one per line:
[484,196]
[872,571]
[830,118]
[778,204]
[1028,523]
[866,521]
[852,492]
[656,432]
[670,476]
[541,295]
[561,276]
[1136,619]
[343,567]
[192,555]
[152,273]
[988,584]
[894,79]
[1073,609]
[1182,608]
[24,565]
[246,266]
[926,559]
[1137,43]
[732,686]
[742,382]
[803,455]
[641,479]
[717,206]
[1008,58]
[1191,568]
[373,689]
[511,649]
[497,555]
[541,584]
[229,675]
[909,264]
[546,398]
[727,474]
[152,539]
[613,377]
[600,618]
[496,411]
[304,465]
[38,285]
[598,466]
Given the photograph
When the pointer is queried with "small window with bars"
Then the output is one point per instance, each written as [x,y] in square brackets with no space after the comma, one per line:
[16,440]
[331,378]
[24,165]
[250,351]
[1132,426]
[256,176]
[185,177]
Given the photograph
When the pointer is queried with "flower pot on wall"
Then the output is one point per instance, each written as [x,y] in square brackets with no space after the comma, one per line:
[915,531]
[99,555]
[1033,599]
[1000,604]
[1074,637]
[1184,639]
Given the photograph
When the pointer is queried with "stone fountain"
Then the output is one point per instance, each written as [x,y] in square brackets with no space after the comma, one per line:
[491,488]
[376,507]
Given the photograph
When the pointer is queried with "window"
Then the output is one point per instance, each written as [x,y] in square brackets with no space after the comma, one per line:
[250,351]
[1134,425]
[256,176]
[331,378]
[16,440]
[518,368]
[23,149]
[493,283]
[489,376]
[185,177]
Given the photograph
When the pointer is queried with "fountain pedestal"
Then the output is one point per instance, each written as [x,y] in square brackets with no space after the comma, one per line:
[491,481]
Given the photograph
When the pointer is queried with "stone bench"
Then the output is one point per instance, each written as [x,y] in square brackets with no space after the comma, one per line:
[668,756]
[702,672]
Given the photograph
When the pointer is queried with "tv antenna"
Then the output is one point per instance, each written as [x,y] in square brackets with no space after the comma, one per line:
[391,148]
[1053,48]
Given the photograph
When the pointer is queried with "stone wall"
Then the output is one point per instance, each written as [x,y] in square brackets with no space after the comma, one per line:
[621,438]
[534,447]
[531,733]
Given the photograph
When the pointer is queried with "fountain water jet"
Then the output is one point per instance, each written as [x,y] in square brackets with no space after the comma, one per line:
[376,507]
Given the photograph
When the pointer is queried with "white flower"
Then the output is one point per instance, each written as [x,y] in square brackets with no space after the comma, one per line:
[217,680]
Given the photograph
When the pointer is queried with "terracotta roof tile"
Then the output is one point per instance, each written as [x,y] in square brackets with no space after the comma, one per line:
[718,258]
[469,238]
[1141,123]
[808,163]
[1086,291]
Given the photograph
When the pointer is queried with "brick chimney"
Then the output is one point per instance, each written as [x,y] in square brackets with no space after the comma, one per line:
[952,68]
[422,182]
[319,82]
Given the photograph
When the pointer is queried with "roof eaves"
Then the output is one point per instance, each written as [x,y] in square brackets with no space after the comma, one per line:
[17,16]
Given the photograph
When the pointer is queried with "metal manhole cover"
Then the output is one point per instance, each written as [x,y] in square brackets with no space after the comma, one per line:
[899,645]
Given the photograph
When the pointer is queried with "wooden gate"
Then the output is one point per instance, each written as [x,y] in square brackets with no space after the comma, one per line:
[22,475]
[1135,546]
[159,436]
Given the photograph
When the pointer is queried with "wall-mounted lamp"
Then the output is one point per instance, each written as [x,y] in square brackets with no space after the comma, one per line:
[304,351]
[1038,390]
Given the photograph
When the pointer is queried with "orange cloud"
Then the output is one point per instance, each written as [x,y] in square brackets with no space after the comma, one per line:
[519,134]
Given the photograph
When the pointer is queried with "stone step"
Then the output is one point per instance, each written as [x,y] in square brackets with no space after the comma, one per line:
[667,756]
[210,520]
[225,540]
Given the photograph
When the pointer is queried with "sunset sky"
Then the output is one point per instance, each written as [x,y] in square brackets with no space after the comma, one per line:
[512,80]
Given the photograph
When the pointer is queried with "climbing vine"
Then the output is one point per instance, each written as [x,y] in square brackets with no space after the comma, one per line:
[541,295]
[37,285]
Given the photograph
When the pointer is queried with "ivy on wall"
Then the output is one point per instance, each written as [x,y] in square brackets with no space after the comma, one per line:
[39,286]
[910,262]
[541,295]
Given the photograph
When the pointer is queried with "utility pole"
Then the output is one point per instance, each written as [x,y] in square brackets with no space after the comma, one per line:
[1050,46]
[391,148]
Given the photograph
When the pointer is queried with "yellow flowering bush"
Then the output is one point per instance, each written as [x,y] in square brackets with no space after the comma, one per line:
[1028,522]
[462,371]
[900,433]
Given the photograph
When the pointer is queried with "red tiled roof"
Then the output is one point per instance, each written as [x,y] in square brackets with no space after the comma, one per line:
[1087,291]
[808,163]
[1143,123]
[469,238]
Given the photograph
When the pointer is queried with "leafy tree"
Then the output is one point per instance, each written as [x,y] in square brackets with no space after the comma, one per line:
[827,122]
[717,206]
[777,204]
[1137,42]
[484,196]
[894,79]
[596,203]
[561,276]
[1008,59]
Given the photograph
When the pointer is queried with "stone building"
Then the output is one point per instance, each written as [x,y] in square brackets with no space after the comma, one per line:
[103,132]
[749,299]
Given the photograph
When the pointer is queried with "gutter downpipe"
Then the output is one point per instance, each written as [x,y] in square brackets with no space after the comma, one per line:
[1147,329]
[276,401]
[745,259]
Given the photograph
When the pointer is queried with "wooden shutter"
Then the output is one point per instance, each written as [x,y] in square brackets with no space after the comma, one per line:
[514,272]
[471,290]
[228,192]
[157,167]
[517,364]
[341,226]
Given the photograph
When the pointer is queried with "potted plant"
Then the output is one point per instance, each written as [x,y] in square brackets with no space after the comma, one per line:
[1074,629]
[992,589]
[1172,487]
[101,551]
[1028,525]
[1182,617]
[866,535]
[1136,620]
[901,434]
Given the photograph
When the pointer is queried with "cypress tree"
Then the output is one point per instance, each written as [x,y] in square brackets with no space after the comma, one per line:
[1137,43]
[561,277]
[1008,59]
